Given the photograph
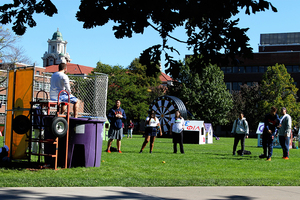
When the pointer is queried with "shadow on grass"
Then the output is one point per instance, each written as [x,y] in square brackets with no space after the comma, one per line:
[234,197]
[74,194]
[236,157]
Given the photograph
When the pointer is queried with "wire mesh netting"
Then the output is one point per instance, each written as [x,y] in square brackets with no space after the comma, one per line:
[91,91]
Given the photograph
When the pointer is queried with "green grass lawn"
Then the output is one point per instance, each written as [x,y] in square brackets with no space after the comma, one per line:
[201,165]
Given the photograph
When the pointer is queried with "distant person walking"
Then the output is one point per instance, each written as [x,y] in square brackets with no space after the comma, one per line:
[284,132]
[130,129]
[152,123]
[176,130]
[241,131]
[270,123]
[115,116]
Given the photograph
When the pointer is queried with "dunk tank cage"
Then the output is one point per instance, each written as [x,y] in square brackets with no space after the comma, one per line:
[85,139]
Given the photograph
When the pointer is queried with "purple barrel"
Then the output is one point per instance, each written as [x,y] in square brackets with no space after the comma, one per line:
[85,142]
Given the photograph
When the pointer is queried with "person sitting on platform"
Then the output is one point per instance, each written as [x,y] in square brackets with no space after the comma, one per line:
[60,81]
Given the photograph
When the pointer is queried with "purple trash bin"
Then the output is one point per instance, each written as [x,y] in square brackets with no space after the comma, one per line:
[85,142]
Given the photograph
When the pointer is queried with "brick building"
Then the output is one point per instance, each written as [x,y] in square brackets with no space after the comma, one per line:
[281,48]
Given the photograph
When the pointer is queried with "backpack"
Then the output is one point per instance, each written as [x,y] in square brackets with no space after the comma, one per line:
[245,152]
[236,121]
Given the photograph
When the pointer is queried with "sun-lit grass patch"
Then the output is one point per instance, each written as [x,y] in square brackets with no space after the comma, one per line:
[201,165]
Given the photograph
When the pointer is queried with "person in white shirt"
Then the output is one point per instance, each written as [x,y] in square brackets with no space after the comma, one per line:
[152,123]
[60,81]
[176,129]
[284,132]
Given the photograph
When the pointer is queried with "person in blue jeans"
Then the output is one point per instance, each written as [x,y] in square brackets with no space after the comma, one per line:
[284,132]
[270,123]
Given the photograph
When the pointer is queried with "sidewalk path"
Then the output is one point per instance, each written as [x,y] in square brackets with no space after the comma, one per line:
[151,193]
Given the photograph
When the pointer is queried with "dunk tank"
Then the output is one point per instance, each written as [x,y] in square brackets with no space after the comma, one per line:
[37,132]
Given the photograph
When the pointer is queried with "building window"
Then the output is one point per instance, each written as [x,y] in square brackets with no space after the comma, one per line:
[235,69]
[248,69]
[289,68]
[229,70]
[2,99]
[261,69]
[241,69]
[37,72]
[51,62]
[254,69]
[228,85]
[223,69]
[3,84]
[41,86]
[266,68]
[295,68]
[236,86]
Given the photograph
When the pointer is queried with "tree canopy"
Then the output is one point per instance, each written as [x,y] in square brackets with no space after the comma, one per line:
[131,87]
[278,89]
[205,94]
[10,52]
[209,29]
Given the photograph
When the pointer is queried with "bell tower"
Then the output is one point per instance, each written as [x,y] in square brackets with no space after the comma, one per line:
[57,51]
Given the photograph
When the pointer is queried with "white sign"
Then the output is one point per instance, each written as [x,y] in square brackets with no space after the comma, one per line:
[194,125]
[259,133]
[260,128]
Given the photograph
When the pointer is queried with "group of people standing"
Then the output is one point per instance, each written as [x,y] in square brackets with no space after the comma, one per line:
[152,125]
[273,126]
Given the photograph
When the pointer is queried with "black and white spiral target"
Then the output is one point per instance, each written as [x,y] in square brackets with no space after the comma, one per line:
[165,107]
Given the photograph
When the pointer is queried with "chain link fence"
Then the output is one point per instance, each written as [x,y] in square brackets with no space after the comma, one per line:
[91,91]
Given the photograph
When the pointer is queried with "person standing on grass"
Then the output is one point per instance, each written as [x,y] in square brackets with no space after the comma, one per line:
[176,129]
[130,129]
[152,123]
[115,116]
[241,131]
[270,123]
[284,132]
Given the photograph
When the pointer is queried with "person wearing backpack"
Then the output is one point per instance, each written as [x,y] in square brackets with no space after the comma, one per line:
[270,123]
[240,130]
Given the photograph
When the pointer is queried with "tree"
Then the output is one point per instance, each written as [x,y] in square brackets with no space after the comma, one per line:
[9,51]
[208,25]
[204,94]
[153,83]
[248,100]
[278,89]
[130,86]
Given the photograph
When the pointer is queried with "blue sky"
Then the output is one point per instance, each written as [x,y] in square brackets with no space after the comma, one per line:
[88,46]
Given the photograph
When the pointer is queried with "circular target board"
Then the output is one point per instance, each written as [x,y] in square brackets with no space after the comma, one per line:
[165,107]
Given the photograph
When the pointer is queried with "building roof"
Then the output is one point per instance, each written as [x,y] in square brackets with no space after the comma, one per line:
[81,69]
[57,35]
[71,69]
[165,78]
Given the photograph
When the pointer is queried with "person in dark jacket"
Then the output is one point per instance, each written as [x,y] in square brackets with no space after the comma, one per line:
[271,122]
[115,116]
